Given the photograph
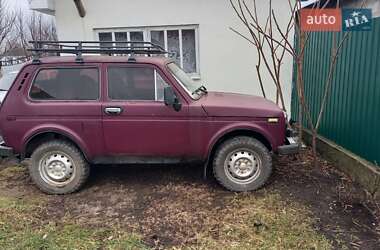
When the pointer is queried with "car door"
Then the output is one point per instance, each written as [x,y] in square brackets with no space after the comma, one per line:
[136,122]
[61,98]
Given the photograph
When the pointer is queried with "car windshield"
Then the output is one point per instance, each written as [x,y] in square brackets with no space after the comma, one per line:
[195,89]
[6,80]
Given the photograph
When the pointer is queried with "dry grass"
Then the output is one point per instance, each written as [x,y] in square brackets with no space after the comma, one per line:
[245,222]
[171,209]
[21,227]
[265,222]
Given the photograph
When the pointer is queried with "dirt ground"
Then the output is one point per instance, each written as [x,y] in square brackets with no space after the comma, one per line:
[171,206]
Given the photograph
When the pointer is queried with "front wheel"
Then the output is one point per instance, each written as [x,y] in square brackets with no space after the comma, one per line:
[242,164]
[58,167]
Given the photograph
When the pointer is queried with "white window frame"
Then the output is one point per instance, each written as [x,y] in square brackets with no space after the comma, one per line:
[147,38]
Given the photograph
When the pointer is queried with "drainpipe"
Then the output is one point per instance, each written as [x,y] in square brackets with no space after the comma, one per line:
[80,8]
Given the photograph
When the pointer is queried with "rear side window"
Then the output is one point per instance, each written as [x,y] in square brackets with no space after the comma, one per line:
[66,84]
[135,84]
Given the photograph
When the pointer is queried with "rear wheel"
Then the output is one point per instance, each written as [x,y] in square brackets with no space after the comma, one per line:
[58,167]
[242,164]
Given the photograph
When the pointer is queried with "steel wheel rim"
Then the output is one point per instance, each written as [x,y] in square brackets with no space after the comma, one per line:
[57,168]
[242,166]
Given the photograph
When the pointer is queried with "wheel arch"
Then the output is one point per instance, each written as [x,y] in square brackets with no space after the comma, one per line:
[240,132]
[38,137]
[250,132]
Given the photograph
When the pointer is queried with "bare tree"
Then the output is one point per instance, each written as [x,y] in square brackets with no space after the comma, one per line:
[262,37]
[279,41]
[7,18]
[40,29]
[17,28]
[34,27]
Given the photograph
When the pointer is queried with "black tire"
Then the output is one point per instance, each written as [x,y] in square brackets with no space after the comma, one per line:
[243,146]
[77,164]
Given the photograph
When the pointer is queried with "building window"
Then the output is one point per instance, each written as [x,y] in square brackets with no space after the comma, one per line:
[135,84]
[179,41]
[105,37]
[66,84]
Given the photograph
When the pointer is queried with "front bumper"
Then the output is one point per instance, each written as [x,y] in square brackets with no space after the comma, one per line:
[292,146]
[4,150]
[289,149]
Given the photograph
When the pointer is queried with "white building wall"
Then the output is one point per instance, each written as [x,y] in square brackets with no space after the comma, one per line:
[227,62]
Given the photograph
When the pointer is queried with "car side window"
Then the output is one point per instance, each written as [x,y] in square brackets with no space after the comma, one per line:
[135,84]
[66,84]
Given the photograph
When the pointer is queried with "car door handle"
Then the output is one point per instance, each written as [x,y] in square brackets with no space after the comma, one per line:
[113,110]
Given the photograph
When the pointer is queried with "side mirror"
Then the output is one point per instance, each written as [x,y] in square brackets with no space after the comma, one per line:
[171,99]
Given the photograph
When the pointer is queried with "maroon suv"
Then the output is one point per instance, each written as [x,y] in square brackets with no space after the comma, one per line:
[67,112]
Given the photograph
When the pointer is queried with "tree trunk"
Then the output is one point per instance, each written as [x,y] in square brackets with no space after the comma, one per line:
[299,85]
[314,148]
[300,105]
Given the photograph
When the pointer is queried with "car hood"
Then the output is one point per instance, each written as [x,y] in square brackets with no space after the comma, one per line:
[239,105]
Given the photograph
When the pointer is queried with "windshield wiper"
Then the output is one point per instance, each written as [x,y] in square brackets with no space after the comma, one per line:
[202,89]
[3,90]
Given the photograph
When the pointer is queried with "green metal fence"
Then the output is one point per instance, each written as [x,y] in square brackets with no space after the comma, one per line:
[352,116]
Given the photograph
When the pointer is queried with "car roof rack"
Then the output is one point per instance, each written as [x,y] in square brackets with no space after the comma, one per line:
[78,48]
